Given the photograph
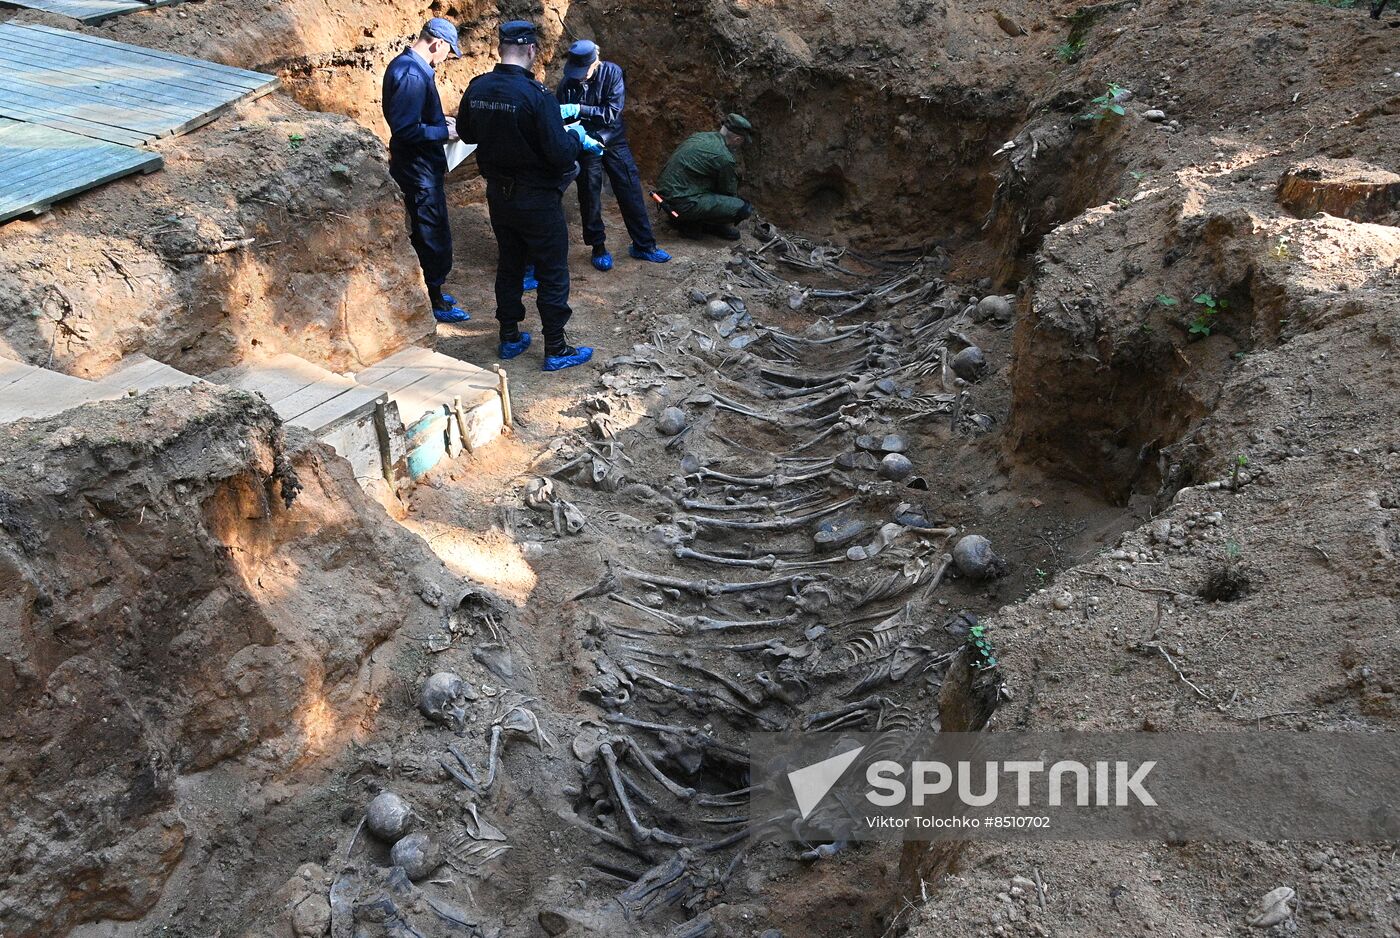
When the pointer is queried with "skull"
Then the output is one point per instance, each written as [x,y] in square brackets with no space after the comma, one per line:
[443,699]
[975,560]
[388,816]
[417,854]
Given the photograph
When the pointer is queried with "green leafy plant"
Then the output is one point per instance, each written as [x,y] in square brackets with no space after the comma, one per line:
[1106,104]
[983,655]
[1280,249]
[1164,300]
[1211,306]
[1069,50]
[1240,462]
[295,140]
[1232,549]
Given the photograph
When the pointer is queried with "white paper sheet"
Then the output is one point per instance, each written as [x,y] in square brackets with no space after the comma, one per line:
[457,151]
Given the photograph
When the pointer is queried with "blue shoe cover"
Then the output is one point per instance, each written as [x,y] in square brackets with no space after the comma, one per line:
[655,255]
[560,362]
[451,314]
[509,350]
[603,262]
[530,283]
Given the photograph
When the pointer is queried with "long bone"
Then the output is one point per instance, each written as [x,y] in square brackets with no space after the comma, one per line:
[776,480]
[689,625]
[760,504]
[856,388]
[679,791]
[766,562]
[723,403]
[712,587]
[694,734]
[701,696]
[840,426]
[775,524]
[865,705]
[689,660]
[640,832]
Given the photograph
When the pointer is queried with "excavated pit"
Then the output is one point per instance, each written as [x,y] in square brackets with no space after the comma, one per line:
[612,670]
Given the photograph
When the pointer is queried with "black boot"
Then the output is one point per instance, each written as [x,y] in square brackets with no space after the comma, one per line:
[727,232]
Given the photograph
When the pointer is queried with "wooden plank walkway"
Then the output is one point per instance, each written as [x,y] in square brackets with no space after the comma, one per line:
[303,394]
[88,11]
[28,391]
[113,91]
[421,380]
[40,166]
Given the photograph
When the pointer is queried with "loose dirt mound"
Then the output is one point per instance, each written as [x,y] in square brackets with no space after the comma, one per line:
[271,230]
[168,608]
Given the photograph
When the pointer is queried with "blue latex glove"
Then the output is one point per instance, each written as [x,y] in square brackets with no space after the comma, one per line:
[589,144]
[568,111]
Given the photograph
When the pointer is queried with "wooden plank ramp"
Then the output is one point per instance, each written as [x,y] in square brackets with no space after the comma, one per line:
[113,91]
[30,392]
[88,11]
[40,166]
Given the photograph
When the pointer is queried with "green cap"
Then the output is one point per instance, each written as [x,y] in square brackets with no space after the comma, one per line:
[739,124]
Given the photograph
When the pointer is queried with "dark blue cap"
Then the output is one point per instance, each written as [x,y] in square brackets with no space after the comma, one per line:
[440,28]
[518,33]
[582,55]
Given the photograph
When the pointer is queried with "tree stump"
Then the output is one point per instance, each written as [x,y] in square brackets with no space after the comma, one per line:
[1344,188]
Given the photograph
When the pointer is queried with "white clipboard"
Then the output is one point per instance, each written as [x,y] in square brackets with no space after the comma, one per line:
[457,151]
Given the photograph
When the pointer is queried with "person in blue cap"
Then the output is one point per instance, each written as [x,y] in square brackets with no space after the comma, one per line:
[528,159]
[597,89]
[418,132]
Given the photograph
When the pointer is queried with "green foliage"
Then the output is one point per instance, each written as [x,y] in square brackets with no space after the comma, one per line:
[1069,50]
[983,655]
[295,140]
[1164,300]
[1104,104]
[1211,306]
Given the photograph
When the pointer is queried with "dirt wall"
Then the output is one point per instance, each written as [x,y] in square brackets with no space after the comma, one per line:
[274,229]
[165,610]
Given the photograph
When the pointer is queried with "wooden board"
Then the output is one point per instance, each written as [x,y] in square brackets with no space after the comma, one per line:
[40,166]
[139,373]
[38,392]
[88,11]
[420,381]
[302,393]
[113,91]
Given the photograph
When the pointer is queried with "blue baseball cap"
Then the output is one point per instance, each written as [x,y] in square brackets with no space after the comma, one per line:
[518,33]
[439,28]
[582,55]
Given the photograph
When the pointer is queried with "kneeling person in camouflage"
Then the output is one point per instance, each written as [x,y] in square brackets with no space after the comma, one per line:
[700,184]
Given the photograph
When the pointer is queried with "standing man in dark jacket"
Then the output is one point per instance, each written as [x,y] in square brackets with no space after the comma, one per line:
[418,131]
[528,160]
[597,88]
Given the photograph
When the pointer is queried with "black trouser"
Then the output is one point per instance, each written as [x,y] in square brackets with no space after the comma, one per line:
[530,228]
[617,162]
[428,230]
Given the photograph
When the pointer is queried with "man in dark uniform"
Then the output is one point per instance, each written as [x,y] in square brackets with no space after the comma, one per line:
[418,131]
[528,160]
[597,88]
[701,184]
